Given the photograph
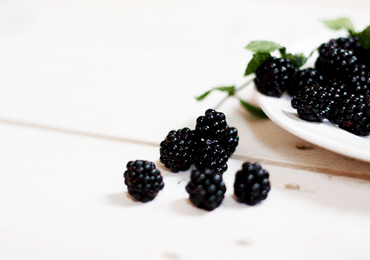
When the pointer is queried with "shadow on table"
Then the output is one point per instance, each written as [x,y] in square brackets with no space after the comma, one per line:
[122,199]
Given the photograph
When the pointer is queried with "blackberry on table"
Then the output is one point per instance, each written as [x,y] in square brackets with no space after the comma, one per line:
[352,113]
[143,180]
[273,76]
[177,151]
[212,156]
[206,188]
[303,78]
[251,184]
[313,103]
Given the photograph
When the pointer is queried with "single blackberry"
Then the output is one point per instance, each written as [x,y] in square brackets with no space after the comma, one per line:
[251,183]
[212,125]
[303,78]
[206,189]
[273,76]
[178,150]
[313,103]
[212,156]
[352,113]
[143,180]
[346,43]
[230,140]
[336,64]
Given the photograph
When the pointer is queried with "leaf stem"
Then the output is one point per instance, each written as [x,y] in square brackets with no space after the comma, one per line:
[238,89]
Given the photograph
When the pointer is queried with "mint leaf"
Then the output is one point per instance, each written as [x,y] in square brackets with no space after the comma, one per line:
[298,60]
[255,111]
[364,38]
[257,60]
[263,46]
[282,52]
[229,89]
[341,23]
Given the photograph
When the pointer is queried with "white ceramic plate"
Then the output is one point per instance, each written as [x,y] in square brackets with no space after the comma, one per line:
[323,134]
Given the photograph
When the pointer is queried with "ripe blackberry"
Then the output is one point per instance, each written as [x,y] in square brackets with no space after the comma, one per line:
[350,44]
[212,156]
[251,183]
[352,113]
[177,151]
[206,189]
[212,125]
[359,80]
[313,103]
[336,64]
[273,76]
[303,78]
[143,180]
[230,140]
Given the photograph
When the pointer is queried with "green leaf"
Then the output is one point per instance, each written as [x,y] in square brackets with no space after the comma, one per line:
[257,60]
[298,60]
[229,89]
[364,38]
[340,23]
[255,111]
[263,46]
[282,52]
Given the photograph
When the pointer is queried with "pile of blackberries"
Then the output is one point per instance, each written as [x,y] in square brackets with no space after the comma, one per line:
[208,149]
[336,89]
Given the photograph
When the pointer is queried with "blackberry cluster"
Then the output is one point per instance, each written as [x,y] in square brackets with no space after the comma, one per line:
[209,145]
[206,188]
[303,78]
[313,103]
[177,151]
[212,156]
[273,76]
[143,180]
[352,113]
[251,183]
[350,44]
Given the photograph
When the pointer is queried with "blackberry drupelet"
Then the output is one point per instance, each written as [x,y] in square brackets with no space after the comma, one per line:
[212,125]
[212,156]
[143,180]
[352,113]
[359,80]
[313,103]
[206,189]
[251,184]
[336,64]
[178,150]
[273,76]
[303,78]
[230,140]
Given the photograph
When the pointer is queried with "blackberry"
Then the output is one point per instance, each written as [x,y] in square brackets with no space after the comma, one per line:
[313,103]
[350,43]
[212,125]
[336,64]
[230,140]
[303,78]
[206,189]
[352,113]
[359,80]
[273,76]
[143,180]
[212,156]
[251,184]
[177,151]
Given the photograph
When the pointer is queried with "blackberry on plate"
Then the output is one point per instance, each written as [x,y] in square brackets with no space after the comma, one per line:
[251,183]
[359,80]
[177,151]
[273,76]
[303,78]
[313,103]
[212,156]
[352,113]
[336,64]
[206,188]
[143,180]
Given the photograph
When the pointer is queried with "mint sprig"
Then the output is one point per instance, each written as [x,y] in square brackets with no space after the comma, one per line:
[364,38]
[256,112]
[263,46]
